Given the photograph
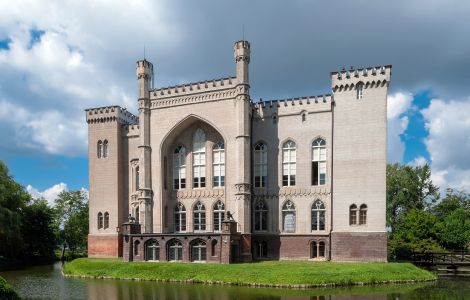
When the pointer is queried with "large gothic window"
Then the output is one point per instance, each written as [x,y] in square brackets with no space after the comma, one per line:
[218,162]
[318,162]
[180,218]
[198,251]
[219,215]
[288,217]
[179,168]
[288,163]
[152,250]
[175,250]
[260,165]
[199,217]
[199,159]
[261,216]
[318,216]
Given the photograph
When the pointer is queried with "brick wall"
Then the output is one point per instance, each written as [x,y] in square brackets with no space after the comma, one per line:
[355,246]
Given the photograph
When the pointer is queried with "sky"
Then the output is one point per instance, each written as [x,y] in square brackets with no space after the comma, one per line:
[58,58]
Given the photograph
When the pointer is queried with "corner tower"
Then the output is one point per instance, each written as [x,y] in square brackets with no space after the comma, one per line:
[242,59]
[145,193]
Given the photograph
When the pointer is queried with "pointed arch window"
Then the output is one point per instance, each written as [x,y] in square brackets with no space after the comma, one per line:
[288,163]
[261,165]
[219,215]
[175,250]
[199,159]
[353,214]
[198,251]
[152,250]
[137,214]
[288,217]
[319,162]
[199,217]
[106,220]
[100,220]
[105,148]
[261,216]
[318,215]
[213,247]
[179,168]
[218,164]
[180,217]
[363,214]
[313,249]
[136,247]
[99,149]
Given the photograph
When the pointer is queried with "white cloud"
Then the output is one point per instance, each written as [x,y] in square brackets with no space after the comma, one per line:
[448,142]
[397,105]
[50,194]
[419,161]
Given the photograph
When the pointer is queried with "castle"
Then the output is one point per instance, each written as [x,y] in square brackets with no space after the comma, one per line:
[204,173]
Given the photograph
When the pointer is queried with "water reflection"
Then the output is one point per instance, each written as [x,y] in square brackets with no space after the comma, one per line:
[47,282]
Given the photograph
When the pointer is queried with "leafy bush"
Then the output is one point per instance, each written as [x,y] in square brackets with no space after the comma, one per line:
[6,291]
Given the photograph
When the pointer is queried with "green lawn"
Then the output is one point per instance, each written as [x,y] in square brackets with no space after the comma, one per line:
[268,273]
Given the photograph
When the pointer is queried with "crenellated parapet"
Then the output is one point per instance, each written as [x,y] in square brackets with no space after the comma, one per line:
[110,114]
[292,106]
[369,77]
[131,130]
[193,88]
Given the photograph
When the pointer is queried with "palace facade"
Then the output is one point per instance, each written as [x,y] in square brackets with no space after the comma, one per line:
[205,173]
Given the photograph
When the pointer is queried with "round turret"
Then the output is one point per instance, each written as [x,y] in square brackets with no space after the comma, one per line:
[242,59]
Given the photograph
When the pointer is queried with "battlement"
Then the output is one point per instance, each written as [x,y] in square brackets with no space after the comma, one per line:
[268,108]
[193,88]
[370,77]
[131,130]
[110,114]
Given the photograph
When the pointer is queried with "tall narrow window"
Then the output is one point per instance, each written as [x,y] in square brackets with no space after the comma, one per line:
[198,251]
[180,218]
[137,175]
[261,165]
[179,168]
[218,161]
[106,220]
[219,215]
[152,251]
[199,159]
[165,216]
[359,90]
[99,149]
[213,247]
[353,214]
[175,250]
[100,220]
[313,250]
[288,217]
[165,173]
[321,249]
[318,216]
[105,148]
[363,214]
[199,217]
[319,162]
[288,163]
[261,216]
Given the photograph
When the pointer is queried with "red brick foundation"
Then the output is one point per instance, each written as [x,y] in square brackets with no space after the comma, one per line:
[290,247]
[354,246]
[104,245]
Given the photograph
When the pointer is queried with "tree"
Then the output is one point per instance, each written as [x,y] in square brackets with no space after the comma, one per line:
[408,188]
[38,229]
[13,199]
[417,231]
[72,217]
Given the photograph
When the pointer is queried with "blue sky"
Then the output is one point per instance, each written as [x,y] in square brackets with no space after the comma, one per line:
[58,58]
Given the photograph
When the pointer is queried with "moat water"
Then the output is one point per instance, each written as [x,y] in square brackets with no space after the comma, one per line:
[47,282]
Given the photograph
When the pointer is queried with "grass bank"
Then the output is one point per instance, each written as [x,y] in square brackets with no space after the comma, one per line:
[6,291]
[268,273]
